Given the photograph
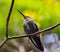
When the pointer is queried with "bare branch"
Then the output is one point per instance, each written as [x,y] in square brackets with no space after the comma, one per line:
[8,18]
[51,28]
[42,31]
[7,22]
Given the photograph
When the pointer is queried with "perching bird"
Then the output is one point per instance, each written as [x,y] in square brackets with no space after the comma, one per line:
[29,28]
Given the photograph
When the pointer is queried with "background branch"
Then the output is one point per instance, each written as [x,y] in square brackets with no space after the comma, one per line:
[7,22]
[8,18]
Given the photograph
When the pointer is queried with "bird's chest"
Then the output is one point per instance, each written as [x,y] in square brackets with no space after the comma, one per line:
[30,26]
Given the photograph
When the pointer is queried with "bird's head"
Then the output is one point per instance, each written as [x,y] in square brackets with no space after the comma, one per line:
[25,17]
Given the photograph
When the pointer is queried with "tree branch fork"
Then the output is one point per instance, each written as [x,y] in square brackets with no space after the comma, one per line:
[7,38]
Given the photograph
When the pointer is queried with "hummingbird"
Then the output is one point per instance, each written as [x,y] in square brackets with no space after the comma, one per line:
[29,28]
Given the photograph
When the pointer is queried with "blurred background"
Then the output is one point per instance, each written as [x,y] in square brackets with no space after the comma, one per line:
[45,13]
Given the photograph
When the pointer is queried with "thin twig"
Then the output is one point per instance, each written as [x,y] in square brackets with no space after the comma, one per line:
[8,18]
[42,31]
[7,22]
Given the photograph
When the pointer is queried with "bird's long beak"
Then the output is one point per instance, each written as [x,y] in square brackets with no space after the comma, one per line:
[22,14]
